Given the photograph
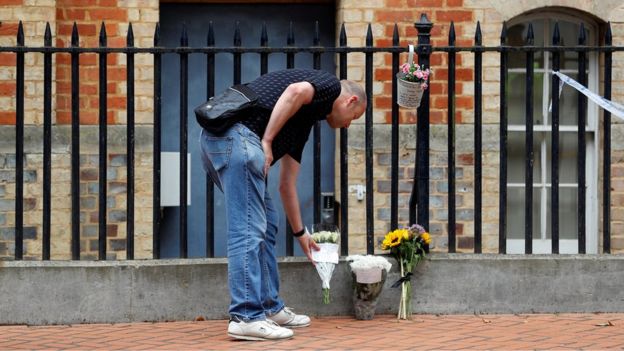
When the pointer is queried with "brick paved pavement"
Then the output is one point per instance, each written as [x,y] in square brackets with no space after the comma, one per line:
[424,332]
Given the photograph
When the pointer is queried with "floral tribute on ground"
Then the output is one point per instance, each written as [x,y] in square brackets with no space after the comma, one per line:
[408,246]
[326,258]
[369,274]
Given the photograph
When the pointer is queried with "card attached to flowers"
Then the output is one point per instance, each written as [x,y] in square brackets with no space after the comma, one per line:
[328,242]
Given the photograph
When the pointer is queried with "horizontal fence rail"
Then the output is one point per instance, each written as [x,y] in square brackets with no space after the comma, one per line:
[419,199]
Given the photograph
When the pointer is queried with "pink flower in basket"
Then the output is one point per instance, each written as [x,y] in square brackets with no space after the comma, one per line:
[416,74]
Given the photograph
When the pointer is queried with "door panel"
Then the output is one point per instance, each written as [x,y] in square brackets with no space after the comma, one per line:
[250,16]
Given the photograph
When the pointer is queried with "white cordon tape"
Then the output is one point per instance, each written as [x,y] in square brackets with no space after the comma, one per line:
[613,107]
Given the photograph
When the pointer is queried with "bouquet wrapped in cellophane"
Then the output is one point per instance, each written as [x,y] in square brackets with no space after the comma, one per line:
[409,246]
[326,258]
[369,275]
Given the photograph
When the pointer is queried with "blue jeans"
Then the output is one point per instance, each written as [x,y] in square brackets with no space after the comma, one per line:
[253,276]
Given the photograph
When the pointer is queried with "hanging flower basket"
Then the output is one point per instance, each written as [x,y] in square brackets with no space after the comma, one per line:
[412,82]
[409,94]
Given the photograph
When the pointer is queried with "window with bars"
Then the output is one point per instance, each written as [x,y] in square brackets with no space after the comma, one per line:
[569,30]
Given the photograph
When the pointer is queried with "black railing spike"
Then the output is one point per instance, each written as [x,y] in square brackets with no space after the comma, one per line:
[344,161]
[130,37]
[210,41]
[317,34]
[264,37]
[530,38]
[368,137]
[237,34]
[103,34]
[19,148]
[582,35]
[503,35]
[184,36]
[47,37]
[452,59]
[74,35]
[424,20]
[47,145]
[556,35]
[395,35]
[157,34]
[606,170]
[103,147]
[156,216]
[452,34]
[291,35]
[316,140]
[20,34]
[394,138]
[478,38]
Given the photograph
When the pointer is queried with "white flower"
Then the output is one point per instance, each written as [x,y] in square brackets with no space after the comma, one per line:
[368,261]
[325,237]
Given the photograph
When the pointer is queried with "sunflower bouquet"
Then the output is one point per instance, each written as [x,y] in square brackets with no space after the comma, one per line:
[409,246]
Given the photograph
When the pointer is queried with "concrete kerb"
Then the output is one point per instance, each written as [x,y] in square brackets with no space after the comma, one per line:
[64,292]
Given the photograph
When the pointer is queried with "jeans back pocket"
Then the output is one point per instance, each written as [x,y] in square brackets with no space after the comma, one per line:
[215,155]
[217,151]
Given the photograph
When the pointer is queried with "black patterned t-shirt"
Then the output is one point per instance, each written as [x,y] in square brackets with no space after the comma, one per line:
[292,138]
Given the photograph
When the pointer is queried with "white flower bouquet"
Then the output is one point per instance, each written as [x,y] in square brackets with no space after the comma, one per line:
[326,258]
[369,275]
[367,269]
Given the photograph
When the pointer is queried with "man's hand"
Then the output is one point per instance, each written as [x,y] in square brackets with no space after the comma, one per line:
[307,245]
[267,147]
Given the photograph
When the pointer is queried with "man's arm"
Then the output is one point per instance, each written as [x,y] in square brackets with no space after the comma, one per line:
[292,99]
[289,169]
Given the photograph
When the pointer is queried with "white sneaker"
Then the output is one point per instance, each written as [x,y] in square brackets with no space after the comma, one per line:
[257,330]
[287,318]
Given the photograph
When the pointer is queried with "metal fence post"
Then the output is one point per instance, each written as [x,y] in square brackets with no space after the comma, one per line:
[420,192]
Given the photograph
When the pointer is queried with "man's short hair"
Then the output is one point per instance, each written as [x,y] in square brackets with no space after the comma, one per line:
[354,88]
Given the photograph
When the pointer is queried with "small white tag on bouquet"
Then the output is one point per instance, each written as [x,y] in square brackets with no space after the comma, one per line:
[327,253]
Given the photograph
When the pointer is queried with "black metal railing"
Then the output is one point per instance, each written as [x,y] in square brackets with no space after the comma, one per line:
[419,200]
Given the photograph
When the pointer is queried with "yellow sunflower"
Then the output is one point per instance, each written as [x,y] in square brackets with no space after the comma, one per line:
[426,238]
[394,238]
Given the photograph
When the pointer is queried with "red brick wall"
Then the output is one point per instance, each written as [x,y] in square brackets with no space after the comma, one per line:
[441,13]
[8,33]
[89,15]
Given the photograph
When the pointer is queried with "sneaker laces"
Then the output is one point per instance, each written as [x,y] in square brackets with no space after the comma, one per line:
[272,323]
[236,319]
[289,311]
